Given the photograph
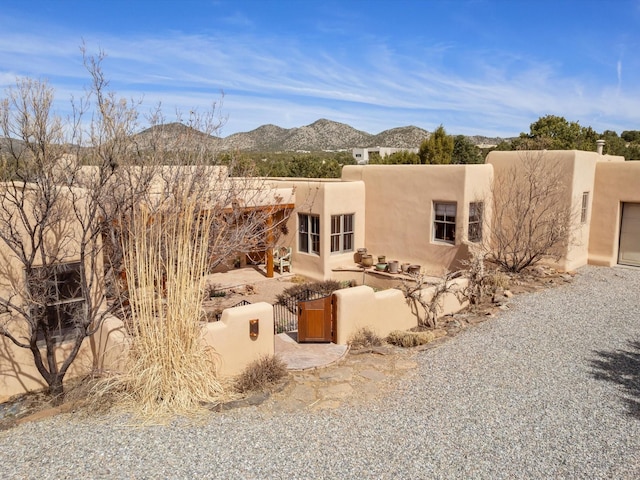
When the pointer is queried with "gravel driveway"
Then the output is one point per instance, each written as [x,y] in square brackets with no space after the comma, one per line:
[549,389]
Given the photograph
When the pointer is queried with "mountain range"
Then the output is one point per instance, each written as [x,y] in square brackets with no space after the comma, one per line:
[321,135]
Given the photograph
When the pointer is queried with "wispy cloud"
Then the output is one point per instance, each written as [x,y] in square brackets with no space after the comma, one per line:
[373,86]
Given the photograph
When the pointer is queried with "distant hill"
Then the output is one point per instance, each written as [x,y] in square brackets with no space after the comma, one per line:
[173,134]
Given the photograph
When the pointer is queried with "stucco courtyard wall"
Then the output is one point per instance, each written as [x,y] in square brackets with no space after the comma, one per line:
[616,183]
[400,209]
[233,347]
[383,311]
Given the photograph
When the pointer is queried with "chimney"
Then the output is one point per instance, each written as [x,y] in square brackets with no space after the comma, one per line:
[600,146]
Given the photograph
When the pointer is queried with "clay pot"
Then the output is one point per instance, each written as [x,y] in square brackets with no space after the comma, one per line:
[405,267]
[381,267]
[358,255]
[414,269]
[366,260]
[394,266]
[382,259]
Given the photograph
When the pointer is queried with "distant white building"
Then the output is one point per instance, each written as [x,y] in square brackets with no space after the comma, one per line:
[361,155]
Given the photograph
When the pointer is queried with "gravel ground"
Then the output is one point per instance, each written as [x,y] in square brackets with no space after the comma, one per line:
[549,389]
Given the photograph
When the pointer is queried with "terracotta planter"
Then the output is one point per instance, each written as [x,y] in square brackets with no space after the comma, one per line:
[405,267]
[414,269]
[358,255]
[366,260]
[382,259]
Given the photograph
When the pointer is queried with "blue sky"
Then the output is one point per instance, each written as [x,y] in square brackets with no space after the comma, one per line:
[475,66]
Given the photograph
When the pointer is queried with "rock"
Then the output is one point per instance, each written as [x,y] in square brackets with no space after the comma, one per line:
[339,374]
[374,375]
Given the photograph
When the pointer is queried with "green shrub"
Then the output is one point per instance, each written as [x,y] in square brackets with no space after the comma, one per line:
[261,373]
[410,339]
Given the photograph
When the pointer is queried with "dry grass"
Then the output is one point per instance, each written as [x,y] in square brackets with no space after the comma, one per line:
[364,338]
[410,339]
[170,370]
[261,373]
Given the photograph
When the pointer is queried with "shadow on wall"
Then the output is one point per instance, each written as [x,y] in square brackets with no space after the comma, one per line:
[622,367]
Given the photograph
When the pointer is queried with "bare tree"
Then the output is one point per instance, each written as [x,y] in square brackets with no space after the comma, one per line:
[68,195]
[533,218]
[425,295]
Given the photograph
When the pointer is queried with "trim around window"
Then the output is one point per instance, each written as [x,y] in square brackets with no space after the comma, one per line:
[342,233]
[476,210]
[584,210]
[309,233]
[444,222]
[57,292]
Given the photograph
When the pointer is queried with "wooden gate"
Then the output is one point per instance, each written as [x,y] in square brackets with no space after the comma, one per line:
[316,320]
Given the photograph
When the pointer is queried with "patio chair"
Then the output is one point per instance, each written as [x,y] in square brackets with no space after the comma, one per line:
[282,258]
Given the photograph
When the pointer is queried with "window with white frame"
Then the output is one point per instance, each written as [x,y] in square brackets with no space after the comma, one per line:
[585,207]
[342,233]
[57,292]
[308,233]
[444,223]
[475,221]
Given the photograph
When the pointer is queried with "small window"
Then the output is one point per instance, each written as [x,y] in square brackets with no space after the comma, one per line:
[57,290]
[444,224]
[585,207]
[475,221]
[309,233]
[342,233]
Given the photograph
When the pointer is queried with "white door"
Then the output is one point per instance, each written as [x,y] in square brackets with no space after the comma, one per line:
[629,252]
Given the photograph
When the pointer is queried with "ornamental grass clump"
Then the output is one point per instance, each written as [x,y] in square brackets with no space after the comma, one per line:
[170,369]
[410,339]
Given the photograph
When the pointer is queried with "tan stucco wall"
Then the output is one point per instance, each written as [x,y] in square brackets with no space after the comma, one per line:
[615,183]
[324,198]
[18,372]
[399,209]
[383,311]
[105,350]
[234,349]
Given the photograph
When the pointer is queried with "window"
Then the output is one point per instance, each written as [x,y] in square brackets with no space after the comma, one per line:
[475,221]
[309,233]
[342,233]
[444,225]
[58,291]
[585,207]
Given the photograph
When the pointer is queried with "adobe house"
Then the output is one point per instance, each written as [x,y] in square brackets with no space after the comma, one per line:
[421,214]
[107,348]
[430,214]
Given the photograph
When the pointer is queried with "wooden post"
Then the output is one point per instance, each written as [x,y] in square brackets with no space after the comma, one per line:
[270,246]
